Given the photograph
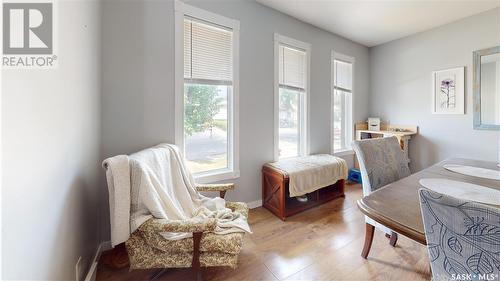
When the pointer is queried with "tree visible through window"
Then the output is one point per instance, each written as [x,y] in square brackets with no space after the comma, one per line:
[203,103]
[206,127]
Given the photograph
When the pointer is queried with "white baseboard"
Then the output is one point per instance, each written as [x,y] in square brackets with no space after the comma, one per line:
[104,246]
[254,204]
[92,274]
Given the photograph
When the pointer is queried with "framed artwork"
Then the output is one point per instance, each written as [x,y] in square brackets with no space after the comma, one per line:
[449,91]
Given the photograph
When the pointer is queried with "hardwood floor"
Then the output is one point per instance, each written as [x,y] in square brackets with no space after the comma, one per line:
[323,243]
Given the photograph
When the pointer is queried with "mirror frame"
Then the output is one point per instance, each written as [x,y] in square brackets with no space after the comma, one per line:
[477,88]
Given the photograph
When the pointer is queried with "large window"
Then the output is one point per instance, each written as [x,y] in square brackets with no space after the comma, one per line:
[342,88]
[291,95]
[206,92]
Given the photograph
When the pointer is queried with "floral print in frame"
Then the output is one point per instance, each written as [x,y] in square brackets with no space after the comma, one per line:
[449,91]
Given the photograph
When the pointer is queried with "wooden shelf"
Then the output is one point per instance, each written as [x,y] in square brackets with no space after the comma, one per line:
[402,132]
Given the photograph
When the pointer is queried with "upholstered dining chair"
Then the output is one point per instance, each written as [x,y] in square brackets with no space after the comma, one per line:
[381,161]
[463,237]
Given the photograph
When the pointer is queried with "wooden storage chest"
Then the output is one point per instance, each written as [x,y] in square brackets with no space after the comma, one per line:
[276,196]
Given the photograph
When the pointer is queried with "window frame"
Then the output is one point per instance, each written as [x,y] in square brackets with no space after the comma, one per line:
[347,149]
[304,100]
[181,11]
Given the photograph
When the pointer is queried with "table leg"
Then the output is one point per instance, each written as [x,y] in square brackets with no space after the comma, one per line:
[370,229]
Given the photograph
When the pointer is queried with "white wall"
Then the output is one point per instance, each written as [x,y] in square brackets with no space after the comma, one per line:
[138,80]
[401,88]
[50,154]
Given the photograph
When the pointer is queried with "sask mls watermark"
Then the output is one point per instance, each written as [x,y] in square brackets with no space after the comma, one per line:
[28,35]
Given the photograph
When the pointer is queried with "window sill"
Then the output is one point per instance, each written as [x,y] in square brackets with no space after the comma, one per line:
[343,152]
[216,176]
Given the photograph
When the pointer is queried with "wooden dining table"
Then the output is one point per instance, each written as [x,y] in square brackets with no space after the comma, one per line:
[397,205]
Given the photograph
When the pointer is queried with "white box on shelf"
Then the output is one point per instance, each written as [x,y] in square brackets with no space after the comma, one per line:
[374,124]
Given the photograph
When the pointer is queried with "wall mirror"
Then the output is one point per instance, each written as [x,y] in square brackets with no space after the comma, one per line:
[486,87]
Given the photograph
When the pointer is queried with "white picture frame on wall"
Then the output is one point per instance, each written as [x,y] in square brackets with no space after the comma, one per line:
[448,91]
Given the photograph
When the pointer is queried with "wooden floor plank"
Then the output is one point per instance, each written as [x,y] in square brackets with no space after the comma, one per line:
[323,243]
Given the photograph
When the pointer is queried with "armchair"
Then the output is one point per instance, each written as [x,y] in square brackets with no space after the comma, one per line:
[152,217]
[148,249]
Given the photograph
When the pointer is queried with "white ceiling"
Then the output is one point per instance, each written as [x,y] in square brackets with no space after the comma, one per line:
[379,21]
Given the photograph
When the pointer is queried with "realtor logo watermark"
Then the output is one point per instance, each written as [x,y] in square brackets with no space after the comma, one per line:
[28,35]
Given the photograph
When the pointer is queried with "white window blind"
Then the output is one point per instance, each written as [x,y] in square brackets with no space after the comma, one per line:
[343,75]
[208,52]
[292,70]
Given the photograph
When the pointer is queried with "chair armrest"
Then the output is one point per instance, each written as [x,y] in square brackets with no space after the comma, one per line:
[221,187]
[189,225]
[215,187]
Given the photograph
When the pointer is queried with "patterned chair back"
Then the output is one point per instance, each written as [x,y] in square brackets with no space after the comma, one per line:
[463,237]
[382,161]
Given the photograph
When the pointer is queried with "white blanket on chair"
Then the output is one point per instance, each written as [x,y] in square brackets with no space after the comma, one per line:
[161,187]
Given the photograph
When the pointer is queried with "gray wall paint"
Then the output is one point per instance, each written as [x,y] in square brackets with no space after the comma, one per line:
[138,80]
[401,88]
[50,154]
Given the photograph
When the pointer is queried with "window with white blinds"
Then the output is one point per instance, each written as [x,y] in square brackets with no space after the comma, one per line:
[342,85]
[208,52]
[291,64]
[207,92]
